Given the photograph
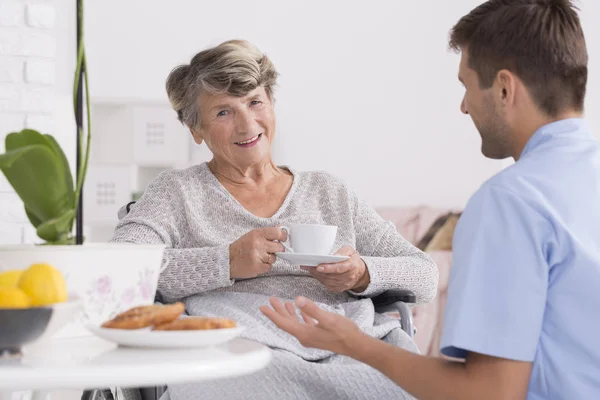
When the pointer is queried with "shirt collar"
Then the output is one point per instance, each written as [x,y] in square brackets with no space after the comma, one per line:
[575,127]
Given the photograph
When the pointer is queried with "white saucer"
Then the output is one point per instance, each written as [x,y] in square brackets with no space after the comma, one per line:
[166,339]
[310,260]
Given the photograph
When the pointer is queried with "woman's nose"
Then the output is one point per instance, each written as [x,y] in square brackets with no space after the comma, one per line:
[244,123]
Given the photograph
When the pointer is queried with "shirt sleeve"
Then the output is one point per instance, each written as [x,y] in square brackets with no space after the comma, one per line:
[499,278]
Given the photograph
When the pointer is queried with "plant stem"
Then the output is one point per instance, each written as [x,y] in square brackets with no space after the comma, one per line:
[82,64]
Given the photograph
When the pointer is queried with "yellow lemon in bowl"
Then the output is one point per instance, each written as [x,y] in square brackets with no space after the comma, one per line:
[12,297]
[11,277]
[44,284]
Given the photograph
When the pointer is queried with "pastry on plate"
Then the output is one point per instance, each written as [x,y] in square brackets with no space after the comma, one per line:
[196,323]
[146,316]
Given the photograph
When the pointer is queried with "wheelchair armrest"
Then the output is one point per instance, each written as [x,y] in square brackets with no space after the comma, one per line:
[392,296]
[397,301]
[123,211]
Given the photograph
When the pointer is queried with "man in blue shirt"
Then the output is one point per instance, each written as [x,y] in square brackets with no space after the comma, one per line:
[524,294]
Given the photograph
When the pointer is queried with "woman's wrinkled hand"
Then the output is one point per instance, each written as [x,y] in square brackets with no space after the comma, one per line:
[319,329]
[351,274]
[254,253]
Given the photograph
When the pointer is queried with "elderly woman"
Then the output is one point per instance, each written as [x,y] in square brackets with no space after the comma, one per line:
[220,221]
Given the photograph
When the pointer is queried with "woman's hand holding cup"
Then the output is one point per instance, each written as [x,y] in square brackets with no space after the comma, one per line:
[254,253]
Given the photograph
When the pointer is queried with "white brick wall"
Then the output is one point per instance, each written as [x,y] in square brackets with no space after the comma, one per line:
[28,57]
[41,123]
[40,15]
[40,72]
[11,13]
[11,70]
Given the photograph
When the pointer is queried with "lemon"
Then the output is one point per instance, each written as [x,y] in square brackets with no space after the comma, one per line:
[44,284]
[12,297]
[10,278]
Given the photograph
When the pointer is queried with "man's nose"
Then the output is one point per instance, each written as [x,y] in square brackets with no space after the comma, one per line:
[463,107]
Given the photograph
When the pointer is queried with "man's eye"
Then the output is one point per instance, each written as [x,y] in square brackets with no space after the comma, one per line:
[222,113]
[255,102]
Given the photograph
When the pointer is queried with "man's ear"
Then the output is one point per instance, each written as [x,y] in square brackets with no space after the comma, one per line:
[507,86]
[196,135]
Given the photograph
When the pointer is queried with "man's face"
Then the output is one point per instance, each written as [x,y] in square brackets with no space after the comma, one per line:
[485,109]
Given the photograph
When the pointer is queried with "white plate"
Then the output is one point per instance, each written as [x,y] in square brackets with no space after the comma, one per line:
[64,317]
[166,339]
[310,260]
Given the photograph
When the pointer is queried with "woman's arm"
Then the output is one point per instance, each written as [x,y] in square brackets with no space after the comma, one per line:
[185,271]
[392,262]
[153,220]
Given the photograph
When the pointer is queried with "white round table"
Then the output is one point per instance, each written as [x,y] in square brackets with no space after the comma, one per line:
[93,363]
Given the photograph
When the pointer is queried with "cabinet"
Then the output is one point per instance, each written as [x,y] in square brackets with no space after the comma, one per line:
[132,142]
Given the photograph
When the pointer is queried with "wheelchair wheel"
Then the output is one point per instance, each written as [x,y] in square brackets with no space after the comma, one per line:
[128,394]
[116,394]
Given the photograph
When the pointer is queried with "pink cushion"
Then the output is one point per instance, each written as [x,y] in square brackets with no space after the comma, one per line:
[412,223]
[429,318]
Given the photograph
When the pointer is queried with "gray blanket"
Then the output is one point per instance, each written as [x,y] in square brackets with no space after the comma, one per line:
[295,372]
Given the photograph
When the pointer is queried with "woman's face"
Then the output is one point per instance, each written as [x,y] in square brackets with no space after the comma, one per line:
[238,130]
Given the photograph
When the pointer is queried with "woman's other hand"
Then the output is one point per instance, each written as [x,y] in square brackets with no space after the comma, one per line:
[351,274]
[254,253]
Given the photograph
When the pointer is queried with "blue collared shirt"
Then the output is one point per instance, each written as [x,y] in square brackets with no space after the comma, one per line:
[525,280]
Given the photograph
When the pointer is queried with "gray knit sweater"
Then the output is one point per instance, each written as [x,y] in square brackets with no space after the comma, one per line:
[197,218]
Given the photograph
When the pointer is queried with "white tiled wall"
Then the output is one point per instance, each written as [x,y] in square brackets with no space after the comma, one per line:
[28,58]
[36,66]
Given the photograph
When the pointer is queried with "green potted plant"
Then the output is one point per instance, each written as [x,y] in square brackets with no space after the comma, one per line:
[107,277]
[36,167]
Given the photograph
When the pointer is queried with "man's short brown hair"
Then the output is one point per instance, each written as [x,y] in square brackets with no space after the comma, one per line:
[541,41]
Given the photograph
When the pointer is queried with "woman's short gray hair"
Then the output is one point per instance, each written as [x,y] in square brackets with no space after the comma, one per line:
[235,67]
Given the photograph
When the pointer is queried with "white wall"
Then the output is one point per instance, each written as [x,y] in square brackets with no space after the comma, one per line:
[37,58]
[590,14]
[368,90]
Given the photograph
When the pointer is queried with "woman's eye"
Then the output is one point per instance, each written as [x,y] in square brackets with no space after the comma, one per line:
[222,113]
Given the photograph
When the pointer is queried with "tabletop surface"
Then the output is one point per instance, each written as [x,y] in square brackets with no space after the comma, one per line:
[93,363]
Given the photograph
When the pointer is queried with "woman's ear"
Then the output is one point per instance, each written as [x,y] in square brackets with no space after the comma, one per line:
[196,135]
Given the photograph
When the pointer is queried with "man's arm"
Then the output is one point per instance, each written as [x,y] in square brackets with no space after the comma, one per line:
[499,281]
[479,377]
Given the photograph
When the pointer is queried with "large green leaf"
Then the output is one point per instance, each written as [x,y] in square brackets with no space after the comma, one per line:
[26,137]
[57,229]
[37,175]
[35,221]
[29,137]
[65,166]
[8,159]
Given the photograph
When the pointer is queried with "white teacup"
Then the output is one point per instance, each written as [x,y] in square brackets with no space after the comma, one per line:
[310,238]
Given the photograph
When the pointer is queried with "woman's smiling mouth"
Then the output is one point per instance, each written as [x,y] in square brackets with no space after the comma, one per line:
[250,142]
